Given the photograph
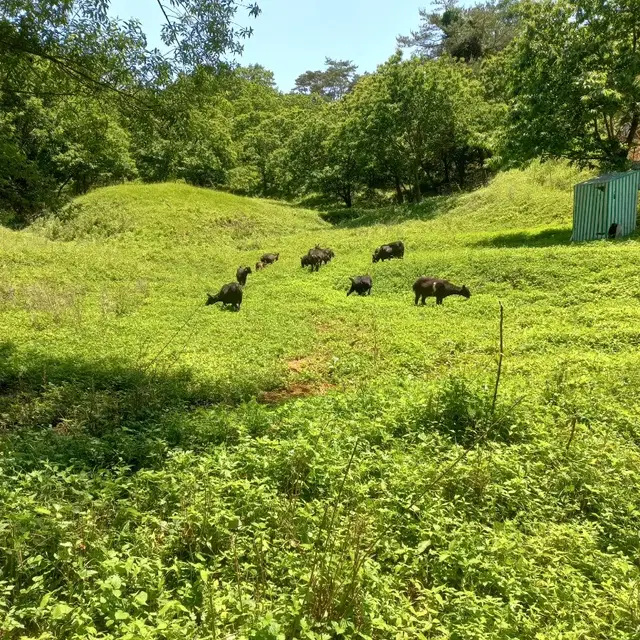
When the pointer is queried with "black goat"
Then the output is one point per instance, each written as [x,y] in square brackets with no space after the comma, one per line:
[313,259]
[242,273]
[230,294]
[425,287]
[327,253]
[361,285]
[388,251]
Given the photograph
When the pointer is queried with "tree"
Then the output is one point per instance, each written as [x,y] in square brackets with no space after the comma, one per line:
[418,120]
[571,81]
[385,163]
[83,44]
[49,145]
[467,33]
[69,57]
[333,83]
[194,140]
[323,154]
[258,128]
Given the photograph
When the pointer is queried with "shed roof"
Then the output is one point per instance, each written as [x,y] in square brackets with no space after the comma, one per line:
[608,177]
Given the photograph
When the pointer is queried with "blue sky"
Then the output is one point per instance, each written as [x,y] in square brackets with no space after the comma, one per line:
[292,36]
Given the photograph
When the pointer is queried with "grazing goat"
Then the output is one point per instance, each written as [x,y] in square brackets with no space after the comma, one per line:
[242,273]
[385,252]
[425,287]
[328,254]
[361,285]
[388,251]
[313,259]
[230,294]
[269,258]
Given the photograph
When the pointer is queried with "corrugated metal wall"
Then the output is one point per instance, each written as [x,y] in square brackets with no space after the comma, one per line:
[623,202]
[597,205]
[589,211]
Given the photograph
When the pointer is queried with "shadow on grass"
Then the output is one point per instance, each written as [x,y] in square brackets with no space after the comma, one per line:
[428,209]
[100,413]
[546,238]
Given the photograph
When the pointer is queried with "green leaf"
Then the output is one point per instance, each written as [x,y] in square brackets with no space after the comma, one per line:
[421,548]
[45,599]
[60,611]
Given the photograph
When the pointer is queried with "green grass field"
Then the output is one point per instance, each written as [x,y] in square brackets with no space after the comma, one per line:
[317,466]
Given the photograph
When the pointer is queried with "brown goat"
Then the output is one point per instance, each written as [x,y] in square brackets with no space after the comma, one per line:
[425,287]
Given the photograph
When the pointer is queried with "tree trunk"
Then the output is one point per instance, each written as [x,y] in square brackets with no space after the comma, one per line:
[346,196]
[633,130]
[399,194]
[417,197]
[461,166]
[447,176]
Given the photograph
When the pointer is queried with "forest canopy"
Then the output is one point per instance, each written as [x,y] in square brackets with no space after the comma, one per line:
[84,102]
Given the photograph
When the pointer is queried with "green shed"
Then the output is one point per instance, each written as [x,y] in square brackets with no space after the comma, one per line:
[605,201]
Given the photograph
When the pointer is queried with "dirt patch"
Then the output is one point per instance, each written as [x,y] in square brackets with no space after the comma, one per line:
[293,391]
[300,364]
[324,327]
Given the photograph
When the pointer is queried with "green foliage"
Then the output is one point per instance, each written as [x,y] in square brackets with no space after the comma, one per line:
[315,465]
[571,80]
[89,49]
[322,154]
[421,121]
[77,85]
[333,83]
[468,33]
[412,125]
[47,146]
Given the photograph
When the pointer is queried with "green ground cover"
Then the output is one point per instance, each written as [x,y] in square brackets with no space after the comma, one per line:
[317,466]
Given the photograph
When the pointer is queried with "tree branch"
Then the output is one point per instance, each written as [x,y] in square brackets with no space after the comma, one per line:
[77,74]
[633,129]
[169,23]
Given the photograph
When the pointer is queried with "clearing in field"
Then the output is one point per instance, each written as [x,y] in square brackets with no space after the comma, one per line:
[318,465]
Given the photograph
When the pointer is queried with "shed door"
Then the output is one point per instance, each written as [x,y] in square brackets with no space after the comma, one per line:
[600,209]
[590,212]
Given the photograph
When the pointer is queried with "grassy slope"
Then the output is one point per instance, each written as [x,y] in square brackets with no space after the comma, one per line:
[525,536]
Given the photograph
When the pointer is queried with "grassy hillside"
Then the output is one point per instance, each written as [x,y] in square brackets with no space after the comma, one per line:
[318,466]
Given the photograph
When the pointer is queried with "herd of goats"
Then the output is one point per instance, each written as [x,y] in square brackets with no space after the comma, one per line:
[424,287]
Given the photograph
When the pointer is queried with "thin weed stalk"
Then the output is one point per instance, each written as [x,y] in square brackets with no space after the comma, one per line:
[500,357]
[454,463]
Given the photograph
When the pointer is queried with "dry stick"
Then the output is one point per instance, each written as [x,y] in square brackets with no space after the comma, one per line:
[375,340]
[237,570]
[454,463]
[495,393]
